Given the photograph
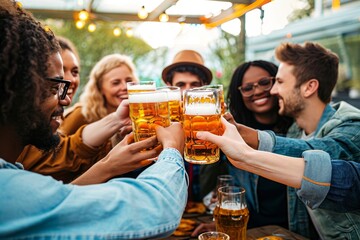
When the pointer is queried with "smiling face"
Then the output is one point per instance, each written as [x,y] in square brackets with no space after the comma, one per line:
[71,71]
[291,102]
[44,135]
[262,101]
[114,88]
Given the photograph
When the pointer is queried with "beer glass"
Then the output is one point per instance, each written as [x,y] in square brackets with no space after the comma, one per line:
[148,109]
[220,88]
[201,113]
[212,197]
[174,98]
[213,236]
[231,213]
[144,86]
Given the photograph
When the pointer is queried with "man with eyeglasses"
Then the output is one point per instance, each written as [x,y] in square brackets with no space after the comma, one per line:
[305,80]
[32,95]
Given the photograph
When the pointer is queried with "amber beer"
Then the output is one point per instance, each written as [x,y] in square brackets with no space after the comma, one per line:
[231,213]
[201,113]
[174,100]
[148,109]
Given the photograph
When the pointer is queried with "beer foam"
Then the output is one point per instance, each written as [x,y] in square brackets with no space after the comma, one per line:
[173,95]
[232,206]
[148,97]
[142,87]
[201,109]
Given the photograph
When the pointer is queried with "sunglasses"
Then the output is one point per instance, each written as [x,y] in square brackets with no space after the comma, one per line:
[264,84]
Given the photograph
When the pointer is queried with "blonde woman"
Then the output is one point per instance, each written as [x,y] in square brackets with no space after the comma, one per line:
[103,93]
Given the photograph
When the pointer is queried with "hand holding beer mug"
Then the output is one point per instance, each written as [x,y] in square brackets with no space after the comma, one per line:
[147,109]
[201,113]
[174,97]
[231,213]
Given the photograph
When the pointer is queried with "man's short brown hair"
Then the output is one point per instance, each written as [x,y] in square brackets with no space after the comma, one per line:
[311,61]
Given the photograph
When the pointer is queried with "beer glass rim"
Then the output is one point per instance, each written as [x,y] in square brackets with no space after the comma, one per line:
[214,233]
[173,88]
[233,190]
[141,82]
[215,86]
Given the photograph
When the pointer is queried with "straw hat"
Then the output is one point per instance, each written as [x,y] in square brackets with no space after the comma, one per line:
[188,57]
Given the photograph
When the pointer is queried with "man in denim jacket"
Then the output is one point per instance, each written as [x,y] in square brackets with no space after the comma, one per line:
[306,77]
[33,206]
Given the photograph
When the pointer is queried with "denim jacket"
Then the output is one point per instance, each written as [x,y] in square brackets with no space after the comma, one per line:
[338,133]
[336,187]
[39,207]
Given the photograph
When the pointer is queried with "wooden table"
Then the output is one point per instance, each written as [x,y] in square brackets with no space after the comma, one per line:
[252,234]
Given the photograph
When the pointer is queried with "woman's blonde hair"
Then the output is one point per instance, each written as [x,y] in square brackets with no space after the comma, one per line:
[92,100]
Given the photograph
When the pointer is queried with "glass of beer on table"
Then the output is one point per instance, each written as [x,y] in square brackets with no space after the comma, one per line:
[174,98]
[201,113]
[231,213]
[148,108]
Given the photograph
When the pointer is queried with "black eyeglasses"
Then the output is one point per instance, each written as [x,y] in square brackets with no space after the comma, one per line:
[264,84]
[63,86]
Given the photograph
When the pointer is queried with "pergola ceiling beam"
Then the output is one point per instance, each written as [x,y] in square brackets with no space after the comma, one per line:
[108,17]
[160,9]
[237,10]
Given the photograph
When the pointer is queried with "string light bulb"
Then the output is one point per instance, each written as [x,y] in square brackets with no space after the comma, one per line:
[83,15]
[117,31]
[19,4]
[129,32]
[79,24]
[142,14]
[92,27]
[164,17]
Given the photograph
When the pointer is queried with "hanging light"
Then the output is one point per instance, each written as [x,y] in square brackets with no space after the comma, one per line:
[79,24]
[83,15]
[129,32]
[164,17]
[142,14]
[117,31]
[19,4]
[92,27]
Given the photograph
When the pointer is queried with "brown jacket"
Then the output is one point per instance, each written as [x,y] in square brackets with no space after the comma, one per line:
[71,158]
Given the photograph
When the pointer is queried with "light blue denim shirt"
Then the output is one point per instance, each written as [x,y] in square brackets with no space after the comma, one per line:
[39,207]
[338,133]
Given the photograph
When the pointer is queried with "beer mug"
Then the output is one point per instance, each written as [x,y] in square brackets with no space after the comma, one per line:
[201,113]
[144,86]
[220,88]
[213,236]
[231,213]
[174,98]
[148,109]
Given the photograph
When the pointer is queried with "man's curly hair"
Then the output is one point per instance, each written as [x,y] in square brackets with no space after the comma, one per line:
[25,48]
